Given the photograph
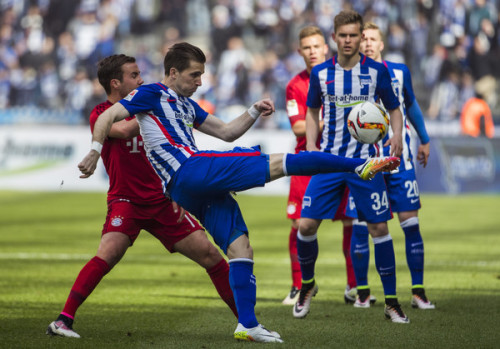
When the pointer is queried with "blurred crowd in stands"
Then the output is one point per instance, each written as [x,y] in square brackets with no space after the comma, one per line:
[49,48]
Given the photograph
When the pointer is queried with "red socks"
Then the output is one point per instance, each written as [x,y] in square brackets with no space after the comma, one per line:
[292,246]
[219,274]
[89,277]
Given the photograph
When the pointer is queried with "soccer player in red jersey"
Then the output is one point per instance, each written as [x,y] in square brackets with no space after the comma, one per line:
[136,201]
[313,49]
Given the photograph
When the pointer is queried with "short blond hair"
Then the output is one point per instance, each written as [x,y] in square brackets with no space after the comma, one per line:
[310,31]
[373,26]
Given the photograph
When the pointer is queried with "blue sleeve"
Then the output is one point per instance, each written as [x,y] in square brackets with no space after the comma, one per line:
[140,100]
[314,94]
[384,89]
[200,114]
[417,120]
[414,113]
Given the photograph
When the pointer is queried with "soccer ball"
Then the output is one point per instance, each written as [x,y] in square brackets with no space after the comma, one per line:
[368,122]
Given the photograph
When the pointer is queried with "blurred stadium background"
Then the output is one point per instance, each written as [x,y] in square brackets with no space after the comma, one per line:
[49,50]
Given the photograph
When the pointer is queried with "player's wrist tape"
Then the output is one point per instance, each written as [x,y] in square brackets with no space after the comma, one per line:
[96,146]
[253,112]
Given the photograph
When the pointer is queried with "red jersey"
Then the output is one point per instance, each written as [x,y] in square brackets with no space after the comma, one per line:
[131,176]
[296,98]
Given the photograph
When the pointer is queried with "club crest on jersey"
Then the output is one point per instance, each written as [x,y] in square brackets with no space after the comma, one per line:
[130,95]
[116,221]
[395,86]
[365,80]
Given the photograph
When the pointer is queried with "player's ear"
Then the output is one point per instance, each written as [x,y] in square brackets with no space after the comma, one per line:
[114,83]
[173,72]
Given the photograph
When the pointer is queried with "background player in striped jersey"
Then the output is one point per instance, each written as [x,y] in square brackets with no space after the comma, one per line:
[336,86]
[313,49]
[401,183]
[201,181]
[136,201]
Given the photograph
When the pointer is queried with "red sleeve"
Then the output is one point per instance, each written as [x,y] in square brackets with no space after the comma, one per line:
[296,102]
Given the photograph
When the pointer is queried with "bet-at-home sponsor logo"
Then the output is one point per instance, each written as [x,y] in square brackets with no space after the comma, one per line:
[346,101]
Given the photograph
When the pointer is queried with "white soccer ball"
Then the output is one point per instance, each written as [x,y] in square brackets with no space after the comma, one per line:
[368,122]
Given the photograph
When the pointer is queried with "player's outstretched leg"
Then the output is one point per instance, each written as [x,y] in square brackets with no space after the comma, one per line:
[309,163]
[372,166]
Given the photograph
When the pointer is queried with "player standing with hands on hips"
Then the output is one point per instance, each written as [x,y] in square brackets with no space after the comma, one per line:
[401,183]
[337,86]
[202,181]
[313,49]
[135,201]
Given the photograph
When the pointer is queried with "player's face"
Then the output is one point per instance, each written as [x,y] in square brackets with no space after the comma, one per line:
[313,49]
[372,44]
[348,39]
[187,82]
[131,79]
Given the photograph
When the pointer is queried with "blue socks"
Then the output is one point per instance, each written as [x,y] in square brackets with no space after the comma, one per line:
[360,252]
[308,163]
[307,251]
[414,250]
[244,286]
[385,263]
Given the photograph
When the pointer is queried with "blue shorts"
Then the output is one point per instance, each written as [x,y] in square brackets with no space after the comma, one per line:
[403,191]
[324,194]
[203,184]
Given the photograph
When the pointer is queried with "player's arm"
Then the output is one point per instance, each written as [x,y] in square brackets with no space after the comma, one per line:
[125,129]
[416,118]
[313,128]
[101,130]
[234,129]
[396,141]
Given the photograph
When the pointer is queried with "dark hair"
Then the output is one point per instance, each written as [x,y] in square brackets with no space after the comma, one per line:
[347,17]
[110,68]
[179,56]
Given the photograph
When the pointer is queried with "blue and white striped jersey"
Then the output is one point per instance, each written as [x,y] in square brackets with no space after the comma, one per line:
[166,121]
[402,86]
[338,91]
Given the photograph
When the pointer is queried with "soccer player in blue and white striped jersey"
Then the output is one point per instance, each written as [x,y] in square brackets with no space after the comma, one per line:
[401,183]
[337,85]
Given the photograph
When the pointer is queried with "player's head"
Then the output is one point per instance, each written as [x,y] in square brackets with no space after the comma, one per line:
[119,74]
[312,46]
[372,42]
[348,29]
[184,64]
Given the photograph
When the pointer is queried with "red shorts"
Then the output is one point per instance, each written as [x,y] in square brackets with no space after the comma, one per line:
[160,220]
[298,186]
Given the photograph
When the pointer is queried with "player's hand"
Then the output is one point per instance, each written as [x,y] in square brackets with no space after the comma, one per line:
[180,210]
[89,163]
[423,153]
[265,107]
[396,143]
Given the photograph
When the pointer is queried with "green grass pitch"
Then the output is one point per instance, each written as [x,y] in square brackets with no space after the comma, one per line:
[153,299]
